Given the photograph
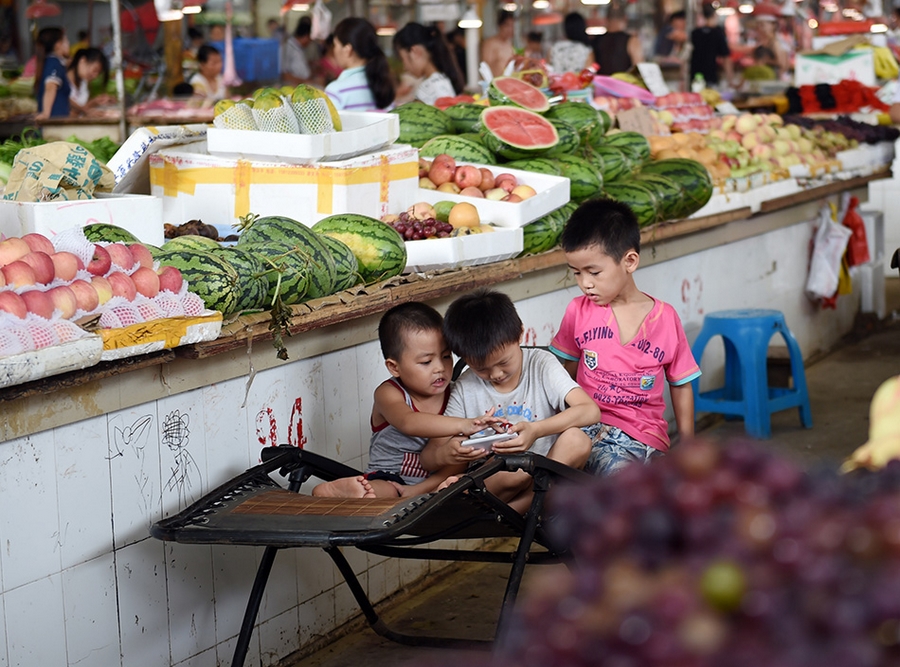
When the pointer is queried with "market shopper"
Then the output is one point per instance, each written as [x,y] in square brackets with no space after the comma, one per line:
[425,55]
[365,84]
[51,84]
[710,49]
[498,50]
[87,65]
[617,50]
[329,70]
[671,39]
[573,53]
[208,82]
[295,68]
[620,344]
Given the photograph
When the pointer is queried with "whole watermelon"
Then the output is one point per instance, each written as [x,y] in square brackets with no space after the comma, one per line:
[208,276]
[379,249]
[638,197]
[419,122]
[278,229]
[253,285]
[584,179]
[191,242]
[634,144]
[457,147]
[691,176]
[100,231]
[344,261]
[287,269]
[543,234]
[464,116]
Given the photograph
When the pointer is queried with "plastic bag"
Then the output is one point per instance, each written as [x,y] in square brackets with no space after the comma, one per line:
[828,250]
[321,21]
[858,247]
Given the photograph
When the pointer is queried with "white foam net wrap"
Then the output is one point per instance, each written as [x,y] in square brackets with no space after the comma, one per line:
[281,119]
[74,241]
[313,116]
[238,117]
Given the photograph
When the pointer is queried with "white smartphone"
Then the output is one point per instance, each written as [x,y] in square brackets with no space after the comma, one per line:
[487,441]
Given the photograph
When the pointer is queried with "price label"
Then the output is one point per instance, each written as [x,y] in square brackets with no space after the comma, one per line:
[637,119]
[727,108]
[653,78]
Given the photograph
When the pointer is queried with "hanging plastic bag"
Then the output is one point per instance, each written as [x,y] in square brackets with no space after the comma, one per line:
[321,21]
[858,247]
[825,267]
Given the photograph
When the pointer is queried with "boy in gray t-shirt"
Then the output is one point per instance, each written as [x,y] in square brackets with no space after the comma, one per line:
[528,388]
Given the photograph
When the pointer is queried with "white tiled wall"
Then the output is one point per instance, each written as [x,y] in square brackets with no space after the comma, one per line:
[82,581]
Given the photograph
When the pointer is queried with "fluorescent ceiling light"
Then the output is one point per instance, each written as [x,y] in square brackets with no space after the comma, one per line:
[192,9]
[878,27]
[386,31]
[300,7]
[745,9]
[510,7]
[470,20]
[594,2]
[596,30]
[813,24]
[725,11]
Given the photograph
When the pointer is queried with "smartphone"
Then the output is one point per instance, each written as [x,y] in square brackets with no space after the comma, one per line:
[487,441]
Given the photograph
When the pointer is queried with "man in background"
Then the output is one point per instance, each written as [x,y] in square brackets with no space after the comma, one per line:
[295,68]
[498,50]
[710,49]
[671,39]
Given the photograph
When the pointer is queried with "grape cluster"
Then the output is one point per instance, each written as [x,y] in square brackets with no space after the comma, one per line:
[851,129]
[414,230]
[719,556]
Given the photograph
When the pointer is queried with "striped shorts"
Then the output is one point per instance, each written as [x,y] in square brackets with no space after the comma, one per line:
[612,449]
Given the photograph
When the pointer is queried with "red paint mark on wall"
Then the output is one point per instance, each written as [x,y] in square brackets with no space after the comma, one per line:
[262,417]
[530,337]
[692,296]
[296,419]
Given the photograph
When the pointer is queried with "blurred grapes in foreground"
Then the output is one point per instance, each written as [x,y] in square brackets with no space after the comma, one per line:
[719,556]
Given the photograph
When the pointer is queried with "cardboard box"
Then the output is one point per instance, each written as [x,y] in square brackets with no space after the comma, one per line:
[815,68]
[458,251]
[142,215]
[196,185]
[362,133]
[552,192]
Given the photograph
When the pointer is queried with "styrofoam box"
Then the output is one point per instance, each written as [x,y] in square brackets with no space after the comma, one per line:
[552,192]
[196,185]
[35,364]
[362,133]
[458,251]
[142,215]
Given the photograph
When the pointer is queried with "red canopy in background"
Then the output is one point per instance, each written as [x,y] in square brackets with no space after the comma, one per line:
[143,17]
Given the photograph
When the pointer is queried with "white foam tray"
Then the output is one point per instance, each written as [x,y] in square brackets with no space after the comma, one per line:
[459,251]
[35,364]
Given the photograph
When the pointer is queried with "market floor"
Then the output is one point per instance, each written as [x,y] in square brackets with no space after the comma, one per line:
[464,602]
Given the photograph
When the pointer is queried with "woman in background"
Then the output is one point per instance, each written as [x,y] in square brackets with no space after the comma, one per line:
[426,56]
[86,65]
[208,82]
[573,53]
[51,84]
[328,66]
[365,83]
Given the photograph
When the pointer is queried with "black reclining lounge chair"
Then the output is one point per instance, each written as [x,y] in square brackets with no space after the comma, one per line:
[252,509]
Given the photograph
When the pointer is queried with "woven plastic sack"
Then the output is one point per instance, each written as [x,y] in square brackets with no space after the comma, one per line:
[238,117]
[313,116]
[281,119]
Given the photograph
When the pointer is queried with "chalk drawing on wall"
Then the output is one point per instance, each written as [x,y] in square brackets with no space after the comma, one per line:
[184,472]
[130,443]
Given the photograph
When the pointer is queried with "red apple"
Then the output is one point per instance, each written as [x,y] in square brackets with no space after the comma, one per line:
[86,296]
[64,300]
[467,176]
[170,279]
[146,281]
[12,249]
[100,261]
[441,172]
[42,266]
[141,255]
[487,179]
[103,288]
[18,274]
[39,243]
[511,198]
[39,303]
[506,181]
[122,285]
[443,158]
[13,303]
[120,255]
[66,265]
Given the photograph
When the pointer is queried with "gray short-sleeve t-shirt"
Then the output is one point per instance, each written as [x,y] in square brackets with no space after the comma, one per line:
[541,393]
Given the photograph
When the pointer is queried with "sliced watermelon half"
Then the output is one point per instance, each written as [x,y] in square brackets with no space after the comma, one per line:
[515,133]
[510,90]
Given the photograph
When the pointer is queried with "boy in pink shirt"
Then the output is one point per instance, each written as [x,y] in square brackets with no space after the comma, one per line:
[621,344]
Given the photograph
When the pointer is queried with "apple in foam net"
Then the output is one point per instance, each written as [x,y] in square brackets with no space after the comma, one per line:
[42,265]
[122,285]
[100,261]
[39,303]
[64,300]
[39,243]
[141,255]
[66,265]
[12,249]
[146,281]
[86,297]
[103,289]
[170,279]
[12,303]
[120,255]
[18,274]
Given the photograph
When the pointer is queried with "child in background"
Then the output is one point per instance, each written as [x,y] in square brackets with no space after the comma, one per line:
[529,388]
[425,56]
[208,83]
[365,84]
[87,65]
[406,409]
[51,85]
[618,342]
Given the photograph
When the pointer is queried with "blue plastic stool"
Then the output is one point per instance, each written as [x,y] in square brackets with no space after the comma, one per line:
[746,334]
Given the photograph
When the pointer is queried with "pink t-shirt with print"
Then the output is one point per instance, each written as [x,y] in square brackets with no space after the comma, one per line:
[626,378]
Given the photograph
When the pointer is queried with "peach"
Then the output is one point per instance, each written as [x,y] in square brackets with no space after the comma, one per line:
[141,254]
[64,300]
[120,255]
[146,281]
[467,176]
[170,279]
[18,274]
[441,172]
[12,249]
[42,265]
[103,288]
[12,303]
[39,303]
[100,261]
[512,199]
[66,265]
[487,179]
[86,296]
[471,191]
[39,243]
[122,285]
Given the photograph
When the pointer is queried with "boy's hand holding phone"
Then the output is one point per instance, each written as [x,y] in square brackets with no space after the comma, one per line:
[525,437]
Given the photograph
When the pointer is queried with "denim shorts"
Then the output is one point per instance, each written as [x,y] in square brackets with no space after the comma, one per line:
[613,449]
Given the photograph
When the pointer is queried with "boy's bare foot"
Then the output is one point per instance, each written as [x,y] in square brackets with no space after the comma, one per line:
[347,487]
[452,479]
